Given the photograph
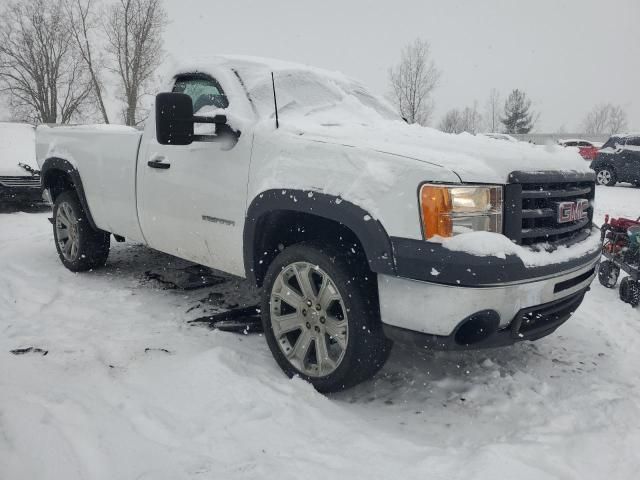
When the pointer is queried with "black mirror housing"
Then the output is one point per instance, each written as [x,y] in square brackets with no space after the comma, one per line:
[174,119]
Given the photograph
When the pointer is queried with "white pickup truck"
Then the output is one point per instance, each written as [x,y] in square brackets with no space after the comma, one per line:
[359,228]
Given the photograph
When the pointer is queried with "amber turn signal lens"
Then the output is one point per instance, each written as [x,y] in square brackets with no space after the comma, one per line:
[436,207]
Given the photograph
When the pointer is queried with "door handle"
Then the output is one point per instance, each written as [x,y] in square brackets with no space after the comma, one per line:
[158,162]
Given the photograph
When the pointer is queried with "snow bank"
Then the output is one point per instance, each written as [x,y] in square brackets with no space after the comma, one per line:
[99,407]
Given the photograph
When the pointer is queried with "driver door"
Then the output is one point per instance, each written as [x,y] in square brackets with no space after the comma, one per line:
[192,198]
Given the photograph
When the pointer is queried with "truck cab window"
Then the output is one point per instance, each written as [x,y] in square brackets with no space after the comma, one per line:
[204,92]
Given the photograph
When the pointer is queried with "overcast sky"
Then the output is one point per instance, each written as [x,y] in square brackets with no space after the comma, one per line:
[567,55]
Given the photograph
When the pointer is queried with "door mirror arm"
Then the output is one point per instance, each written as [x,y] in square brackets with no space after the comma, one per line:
[217,120]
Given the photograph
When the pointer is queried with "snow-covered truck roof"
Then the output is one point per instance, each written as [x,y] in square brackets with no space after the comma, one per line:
[331,107]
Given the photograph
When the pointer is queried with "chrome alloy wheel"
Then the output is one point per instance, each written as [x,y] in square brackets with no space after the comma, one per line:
[603,177]
[67,233]
[309,319]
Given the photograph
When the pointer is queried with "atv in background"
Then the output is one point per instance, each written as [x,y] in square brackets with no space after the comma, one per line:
[621,247]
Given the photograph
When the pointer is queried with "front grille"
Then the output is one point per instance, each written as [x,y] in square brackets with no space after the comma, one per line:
[532,207]
[20,182]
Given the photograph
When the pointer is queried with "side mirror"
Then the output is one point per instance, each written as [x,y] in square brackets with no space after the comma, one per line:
[174,119]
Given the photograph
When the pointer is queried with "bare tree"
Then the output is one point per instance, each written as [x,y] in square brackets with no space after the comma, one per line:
[597,119]
[456,121]
[617,119]
[413,81]
[134,31]
[451,122]
[83,26]
[40,69]
[471,119]
[605,118]
[492,110]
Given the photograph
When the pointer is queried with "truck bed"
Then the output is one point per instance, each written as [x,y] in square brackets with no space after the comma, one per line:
[106,158]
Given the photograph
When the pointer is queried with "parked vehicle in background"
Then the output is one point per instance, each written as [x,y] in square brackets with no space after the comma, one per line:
[500,136]
[19,176]
[587,149]
[358,228]
[618,160]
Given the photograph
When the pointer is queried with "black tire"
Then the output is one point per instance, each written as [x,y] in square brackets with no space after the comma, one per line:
[367,349]
[92,247]
[606,176]
[608,274]
[630,291]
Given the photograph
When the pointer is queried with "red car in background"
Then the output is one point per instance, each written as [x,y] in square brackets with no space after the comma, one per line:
[587,149]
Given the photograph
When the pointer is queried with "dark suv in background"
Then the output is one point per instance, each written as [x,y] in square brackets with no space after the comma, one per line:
[618,161]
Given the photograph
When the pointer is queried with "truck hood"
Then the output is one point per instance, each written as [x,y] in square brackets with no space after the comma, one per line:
[472,158]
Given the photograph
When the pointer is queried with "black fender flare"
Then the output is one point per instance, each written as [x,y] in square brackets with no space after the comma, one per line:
[605,164]
[370,232]
[48,172]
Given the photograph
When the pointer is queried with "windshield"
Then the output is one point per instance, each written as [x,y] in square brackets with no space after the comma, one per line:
[321,99]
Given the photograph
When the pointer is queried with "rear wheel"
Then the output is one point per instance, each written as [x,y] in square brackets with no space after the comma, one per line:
[321,318]
[630,291]
[608,274]
[606,176]
[80,246]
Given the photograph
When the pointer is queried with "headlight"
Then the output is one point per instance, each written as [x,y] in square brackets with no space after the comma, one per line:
[449,210]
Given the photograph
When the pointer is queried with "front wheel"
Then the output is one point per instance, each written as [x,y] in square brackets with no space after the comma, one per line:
[80,246]
[606,176]
[321,318]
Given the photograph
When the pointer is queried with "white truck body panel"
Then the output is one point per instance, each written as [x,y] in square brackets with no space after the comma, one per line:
[106,158]
[202,220]
[385,186]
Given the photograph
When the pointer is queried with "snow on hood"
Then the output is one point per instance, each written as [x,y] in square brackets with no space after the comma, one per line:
[472,158]
[17,145]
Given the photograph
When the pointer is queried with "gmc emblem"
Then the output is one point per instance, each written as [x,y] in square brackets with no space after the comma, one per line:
[572,211]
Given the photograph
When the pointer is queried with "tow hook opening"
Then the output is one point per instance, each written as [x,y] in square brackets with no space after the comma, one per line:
[477,327]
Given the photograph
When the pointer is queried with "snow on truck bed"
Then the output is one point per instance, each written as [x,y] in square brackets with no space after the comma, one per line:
[100,406]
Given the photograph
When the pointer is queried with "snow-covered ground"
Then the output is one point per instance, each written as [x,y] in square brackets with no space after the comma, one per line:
[130,390]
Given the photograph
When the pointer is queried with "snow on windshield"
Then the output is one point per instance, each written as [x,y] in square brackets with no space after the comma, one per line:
[321,99]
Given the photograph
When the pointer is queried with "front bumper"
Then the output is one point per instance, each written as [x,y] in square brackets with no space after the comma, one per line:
[529,324]
[434,314]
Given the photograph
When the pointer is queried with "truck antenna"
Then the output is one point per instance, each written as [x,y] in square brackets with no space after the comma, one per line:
[275,100]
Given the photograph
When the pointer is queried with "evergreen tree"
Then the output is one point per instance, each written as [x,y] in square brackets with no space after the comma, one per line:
[517,117]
